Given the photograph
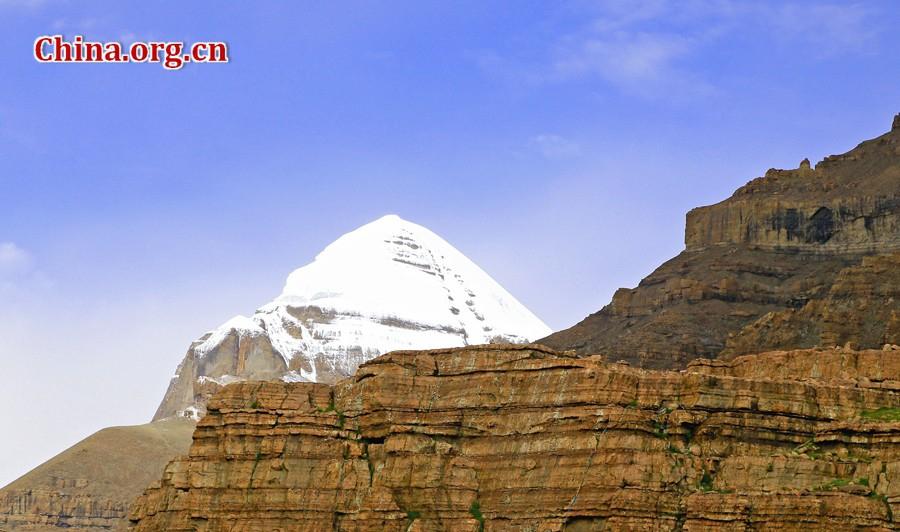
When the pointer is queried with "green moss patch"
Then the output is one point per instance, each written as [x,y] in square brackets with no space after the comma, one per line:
[881,414]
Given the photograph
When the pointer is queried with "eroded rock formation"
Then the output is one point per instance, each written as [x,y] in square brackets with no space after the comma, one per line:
[525,438]
[777,243]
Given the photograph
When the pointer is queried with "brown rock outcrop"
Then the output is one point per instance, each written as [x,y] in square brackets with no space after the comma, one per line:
[89,485]
[777,243]
[525,438]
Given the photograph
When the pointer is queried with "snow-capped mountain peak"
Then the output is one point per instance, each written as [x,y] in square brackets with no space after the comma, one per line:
[395,268]
[390,284]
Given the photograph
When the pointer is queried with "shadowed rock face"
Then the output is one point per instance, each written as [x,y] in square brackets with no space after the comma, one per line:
[861,308]
[777,243]
[687,308]
[238,356]
[525,438]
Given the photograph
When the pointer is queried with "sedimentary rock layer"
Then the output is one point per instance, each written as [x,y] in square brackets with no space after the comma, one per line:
[525,438]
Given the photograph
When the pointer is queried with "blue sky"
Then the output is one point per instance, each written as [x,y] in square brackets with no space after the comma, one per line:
[557,144]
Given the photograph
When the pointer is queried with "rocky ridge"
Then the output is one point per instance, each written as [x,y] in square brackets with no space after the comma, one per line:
[779,242]
[526,438]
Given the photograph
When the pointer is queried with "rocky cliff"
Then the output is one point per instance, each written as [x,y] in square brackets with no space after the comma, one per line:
[776,244]
[525,438]
[88,486]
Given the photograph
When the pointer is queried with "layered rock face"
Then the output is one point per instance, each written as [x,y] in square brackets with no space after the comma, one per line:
[88,486]
[388,285]
[777,243]
[525,438]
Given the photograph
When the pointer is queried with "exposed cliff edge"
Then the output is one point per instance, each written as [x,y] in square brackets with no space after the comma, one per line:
[525,438]
[777,243]
[88,486]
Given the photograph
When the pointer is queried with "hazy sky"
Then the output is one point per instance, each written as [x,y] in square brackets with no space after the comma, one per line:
[557,144]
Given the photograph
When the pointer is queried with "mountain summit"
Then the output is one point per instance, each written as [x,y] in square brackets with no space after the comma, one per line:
[390,284]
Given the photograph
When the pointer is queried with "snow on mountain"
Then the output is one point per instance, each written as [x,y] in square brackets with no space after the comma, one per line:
[389,285]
